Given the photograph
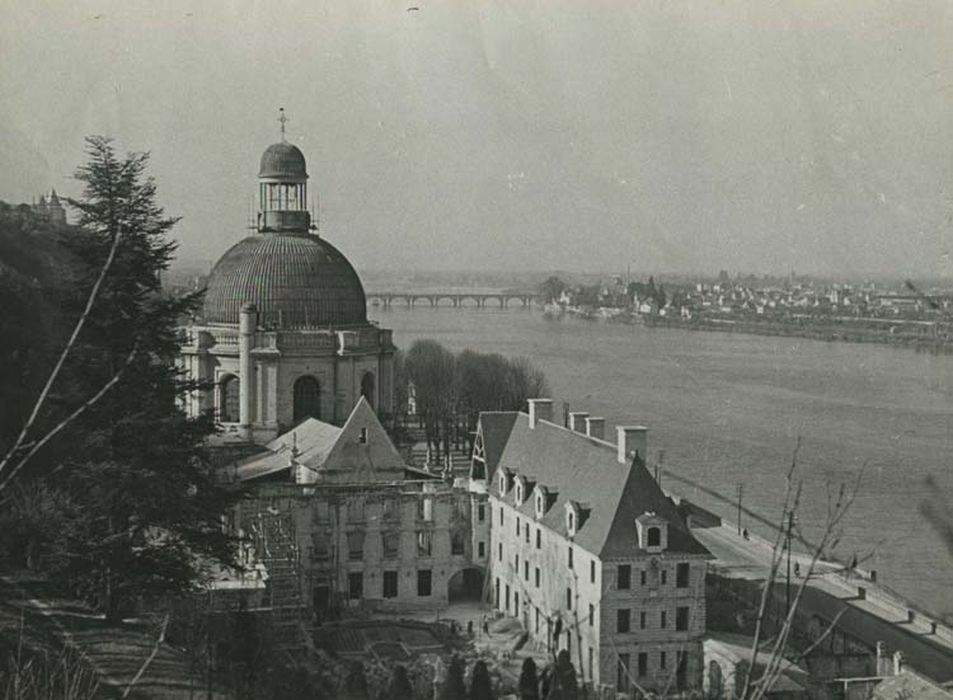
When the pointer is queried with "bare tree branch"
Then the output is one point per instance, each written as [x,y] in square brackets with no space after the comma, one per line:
[54,374]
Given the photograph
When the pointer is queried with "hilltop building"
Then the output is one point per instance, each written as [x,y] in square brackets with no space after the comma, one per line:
[51,208]
[283,335]
[586,550]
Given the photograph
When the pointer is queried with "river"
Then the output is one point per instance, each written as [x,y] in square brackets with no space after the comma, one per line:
[729,409]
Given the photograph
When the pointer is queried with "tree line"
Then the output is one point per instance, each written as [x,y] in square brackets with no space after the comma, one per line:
[451,390]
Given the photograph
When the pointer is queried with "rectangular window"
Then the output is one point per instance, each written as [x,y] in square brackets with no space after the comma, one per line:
[662,660]
[642,620]
[526,571]
[592,571]
[681,619]
[501,515]
[507,597]
[664,576]
[424,543]
[537,577]
[643,664]
[539,538]
[592,614]
[425,509]
[390,541]
[570,556]
[355,586]
[516,564]
[568,599]
[390,508]
[424,579]
[481,549]
[499,552]
[537,620]
[663,620]
[320,549]
[622,674]
[622,621]
[355,510]
[355,546]
[526,533]
[624,576]
[517,526]
[390,584]
[681,575]
[643,577]
[569,642]
[590,663]
[456,544]
[481,512]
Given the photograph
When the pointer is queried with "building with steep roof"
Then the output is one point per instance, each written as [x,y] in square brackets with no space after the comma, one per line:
[339,520]
[283,335]
[51,208]
[587,551]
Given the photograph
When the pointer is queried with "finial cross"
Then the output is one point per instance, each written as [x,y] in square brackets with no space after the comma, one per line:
[283,119]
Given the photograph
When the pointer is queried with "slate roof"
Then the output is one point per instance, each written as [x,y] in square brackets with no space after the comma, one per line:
[329,453]
[575,467]
[495,427]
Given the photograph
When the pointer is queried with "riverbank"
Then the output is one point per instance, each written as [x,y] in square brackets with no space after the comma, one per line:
[919,335]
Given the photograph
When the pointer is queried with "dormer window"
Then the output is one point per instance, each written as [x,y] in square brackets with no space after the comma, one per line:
[571,524]
[572,518]
[654,537]
[539,505]
[519,493]
[502,482]
[544,500]
[652,532]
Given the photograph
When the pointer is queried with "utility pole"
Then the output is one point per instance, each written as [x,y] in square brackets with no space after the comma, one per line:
[741,487]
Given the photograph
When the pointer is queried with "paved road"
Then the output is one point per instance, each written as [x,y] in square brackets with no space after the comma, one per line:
[829,592]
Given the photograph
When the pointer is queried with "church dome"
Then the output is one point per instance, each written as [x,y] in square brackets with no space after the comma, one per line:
[295,281]
[283,161]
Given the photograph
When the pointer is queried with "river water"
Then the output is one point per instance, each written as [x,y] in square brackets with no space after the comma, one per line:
[728,409]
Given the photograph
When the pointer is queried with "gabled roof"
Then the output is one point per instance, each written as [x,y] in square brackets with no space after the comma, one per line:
[494,429]
[583,469]
[331,454]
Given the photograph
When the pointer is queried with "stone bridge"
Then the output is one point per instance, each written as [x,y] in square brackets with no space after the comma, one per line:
[454,299]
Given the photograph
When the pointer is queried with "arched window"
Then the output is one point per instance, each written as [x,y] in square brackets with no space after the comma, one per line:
[367,387]
[307,398]
[654,537]
[228,399]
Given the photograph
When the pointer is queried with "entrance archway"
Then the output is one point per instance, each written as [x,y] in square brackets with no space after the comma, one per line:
[466,585]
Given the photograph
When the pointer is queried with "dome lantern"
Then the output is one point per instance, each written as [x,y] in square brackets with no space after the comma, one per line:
[283,188]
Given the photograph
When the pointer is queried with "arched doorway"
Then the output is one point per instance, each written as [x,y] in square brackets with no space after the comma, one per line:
[466,585]
[307,398]
[368,387]
[228,411]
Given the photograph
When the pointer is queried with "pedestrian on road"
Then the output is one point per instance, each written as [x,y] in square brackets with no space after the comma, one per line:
[744,533]
[486,626]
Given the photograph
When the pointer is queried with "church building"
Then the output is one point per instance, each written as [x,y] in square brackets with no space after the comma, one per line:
[283,335]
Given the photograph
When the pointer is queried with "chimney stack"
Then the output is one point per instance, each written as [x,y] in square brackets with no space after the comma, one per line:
[539,409]
[631,440]
[577,421]
[596,428]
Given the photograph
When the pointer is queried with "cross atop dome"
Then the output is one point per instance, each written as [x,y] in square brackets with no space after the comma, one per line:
[284,120]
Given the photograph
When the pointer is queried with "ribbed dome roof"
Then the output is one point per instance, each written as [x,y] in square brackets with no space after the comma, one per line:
[282,160]
[295,281]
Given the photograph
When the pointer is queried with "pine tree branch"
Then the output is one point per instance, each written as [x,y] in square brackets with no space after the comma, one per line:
[37,446]
[54,374]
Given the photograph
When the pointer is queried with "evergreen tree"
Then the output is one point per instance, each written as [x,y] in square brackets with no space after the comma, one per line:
[453,687]
[137,490]
[528,683]
[400,687]
[355,685]
[481,687]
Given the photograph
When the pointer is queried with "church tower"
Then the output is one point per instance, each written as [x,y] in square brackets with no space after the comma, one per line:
[284,333]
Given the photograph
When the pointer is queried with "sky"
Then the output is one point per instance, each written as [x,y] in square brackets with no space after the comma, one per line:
[759,136]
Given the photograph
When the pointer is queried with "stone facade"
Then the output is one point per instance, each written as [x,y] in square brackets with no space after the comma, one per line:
[618,583]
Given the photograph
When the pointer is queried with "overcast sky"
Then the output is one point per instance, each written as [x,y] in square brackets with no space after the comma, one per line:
[754,135]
